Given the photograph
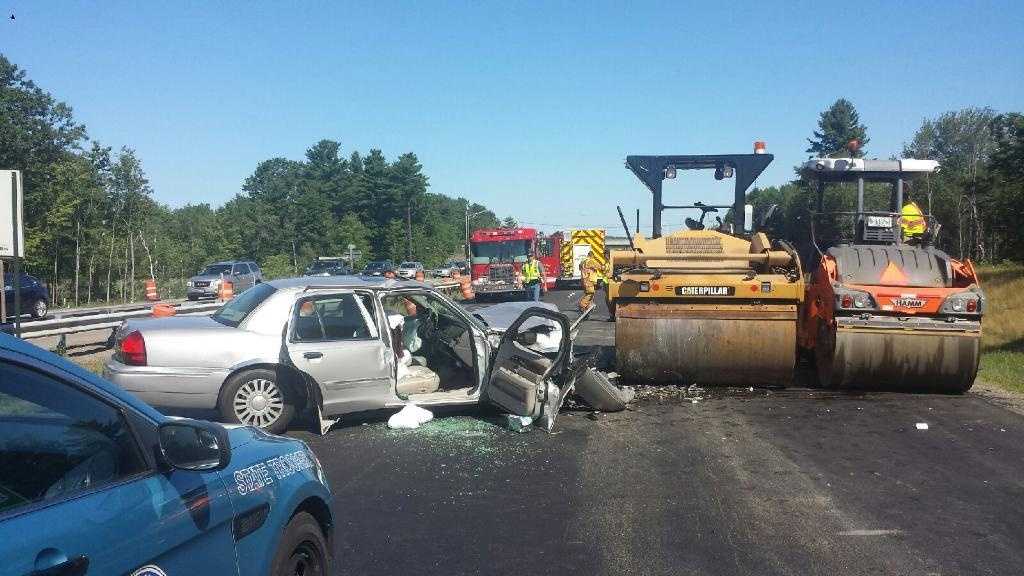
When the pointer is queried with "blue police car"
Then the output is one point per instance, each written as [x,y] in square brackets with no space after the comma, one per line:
[94,481]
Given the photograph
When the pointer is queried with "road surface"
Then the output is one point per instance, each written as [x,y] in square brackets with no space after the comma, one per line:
[790,481]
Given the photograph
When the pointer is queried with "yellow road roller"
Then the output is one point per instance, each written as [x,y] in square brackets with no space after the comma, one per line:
[705,305]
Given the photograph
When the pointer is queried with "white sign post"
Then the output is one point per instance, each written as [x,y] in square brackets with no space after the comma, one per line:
[12,239]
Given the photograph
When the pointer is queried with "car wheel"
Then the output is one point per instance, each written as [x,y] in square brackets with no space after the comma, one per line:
[303,549]
[257,398]
[39,309]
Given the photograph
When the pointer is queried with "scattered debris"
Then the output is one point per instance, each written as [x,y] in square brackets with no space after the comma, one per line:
[595,416]
[921,425]
[598,392]
[410,417]
[669,393]
[518,424]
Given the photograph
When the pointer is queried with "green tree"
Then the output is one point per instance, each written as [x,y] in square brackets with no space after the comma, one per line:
[837,127]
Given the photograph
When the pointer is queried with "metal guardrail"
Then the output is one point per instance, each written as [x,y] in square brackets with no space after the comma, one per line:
[87,322]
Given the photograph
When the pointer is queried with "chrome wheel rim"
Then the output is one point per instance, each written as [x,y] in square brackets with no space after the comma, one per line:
[258,402]
[40,308]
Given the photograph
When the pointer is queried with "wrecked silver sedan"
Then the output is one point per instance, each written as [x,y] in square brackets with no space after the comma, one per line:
[337,345]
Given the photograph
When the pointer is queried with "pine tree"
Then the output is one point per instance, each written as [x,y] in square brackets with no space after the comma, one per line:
[837,127]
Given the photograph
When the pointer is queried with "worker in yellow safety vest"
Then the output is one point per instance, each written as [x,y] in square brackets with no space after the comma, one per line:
[912,222]
[534,278]
[591,273]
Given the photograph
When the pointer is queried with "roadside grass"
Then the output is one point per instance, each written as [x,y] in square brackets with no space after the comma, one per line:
[94,365]
[1002,360]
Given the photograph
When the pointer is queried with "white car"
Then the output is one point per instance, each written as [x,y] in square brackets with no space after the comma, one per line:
[409,269]
[335,345]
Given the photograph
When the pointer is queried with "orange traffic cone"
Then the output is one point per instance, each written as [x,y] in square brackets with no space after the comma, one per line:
[420,276]
[163,310]
[227,291]
[151,294]
[467,288]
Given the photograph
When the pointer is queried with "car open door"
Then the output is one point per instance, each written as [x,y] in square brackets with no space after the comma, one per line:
[530,371]
[335,340]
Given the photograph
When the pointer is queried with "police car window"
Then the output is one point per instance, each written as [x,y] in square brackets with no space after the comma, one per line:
[56,441]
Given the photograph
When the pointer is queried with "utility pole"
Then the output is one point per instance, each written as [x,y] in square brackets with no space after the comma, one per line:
[468,216]
[408,229]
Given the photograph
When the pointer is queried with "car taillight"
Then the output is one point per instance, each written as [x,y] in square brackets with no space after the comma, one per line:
[972,305]
[847,301]
[133,349]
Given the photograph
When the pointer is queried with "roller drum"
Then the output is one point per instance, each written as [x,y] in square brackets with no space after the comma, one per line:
[682,344]
[900,361]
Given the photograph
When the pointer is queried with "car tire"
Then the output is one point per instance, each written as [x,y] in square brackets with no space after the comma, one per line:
[39,309]
[303,549]
[257,398]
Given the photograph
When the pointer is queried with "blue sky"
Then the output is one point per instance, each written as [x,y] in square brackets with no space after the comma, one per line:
[529,108]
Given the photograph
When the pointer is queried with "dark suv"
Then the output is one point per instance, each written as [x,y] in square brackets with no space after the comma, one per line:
[378,268]
[34,295]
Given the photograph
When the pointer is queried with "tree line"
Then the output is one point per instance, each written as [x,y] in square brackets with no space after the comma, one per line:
[977,197]
[94,232]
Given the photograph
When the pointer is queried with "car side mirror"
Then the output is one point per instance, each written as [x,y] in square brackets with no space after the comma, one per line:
[195,445]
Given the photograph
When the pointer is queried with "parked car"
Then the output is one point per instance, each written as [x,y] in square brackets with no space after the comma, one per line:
[328,266]
[242,275]
[94,481]
[346,344]
[445,270]
[378,267]
[34,295]
[409,269]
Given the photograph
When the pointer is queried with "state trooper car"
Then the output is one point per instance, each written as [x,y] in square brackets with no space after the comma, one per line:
[93,481]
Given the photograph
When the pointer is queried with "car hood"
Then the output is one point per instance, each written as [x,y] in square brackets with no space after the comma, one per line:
[206,277]
[239,435]
[500,316]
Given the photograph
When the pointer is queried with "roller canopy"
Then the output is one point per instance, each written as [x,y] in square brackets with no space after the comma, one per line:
[651,171]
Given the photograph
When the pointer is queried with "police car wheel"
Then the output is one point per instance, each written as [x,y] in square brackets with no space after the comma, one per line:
[303,549]
[257,398]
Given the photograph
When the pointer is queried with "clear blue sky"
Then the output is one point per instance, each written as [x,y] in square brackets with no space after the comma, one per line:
[529,108]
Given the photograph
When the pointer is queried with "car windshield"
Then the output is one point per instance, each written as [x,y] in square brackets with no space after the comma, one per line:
[234,312]
[506,251]
[215,269]
[409,265]
[376,265]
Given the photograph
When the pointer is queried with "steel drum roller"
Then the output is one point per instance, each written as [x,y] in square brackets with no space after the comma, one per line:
[739,344]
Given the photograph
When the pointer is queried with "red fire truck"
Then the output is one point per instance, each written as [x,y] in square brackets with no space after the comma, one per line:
[498,255]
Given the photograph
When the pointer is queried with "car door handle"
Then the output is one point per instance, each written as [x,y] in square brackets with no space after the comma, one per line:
[312,355]
[76,566]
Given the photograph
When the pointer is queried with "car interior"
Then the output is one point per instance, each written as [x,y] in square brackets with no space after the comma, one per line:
[434,346]
[330,318]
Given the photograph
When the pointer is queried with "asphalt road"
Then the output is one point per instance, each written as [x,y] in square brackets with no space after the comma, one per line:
[789,481]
